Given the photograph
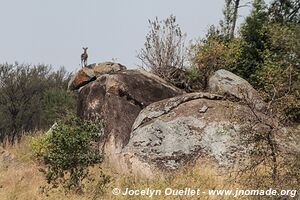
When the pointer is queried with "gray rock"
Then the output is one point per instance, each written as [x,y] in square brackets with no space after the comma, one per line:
[170,134]
[203,109]
[117,99]
[226,83]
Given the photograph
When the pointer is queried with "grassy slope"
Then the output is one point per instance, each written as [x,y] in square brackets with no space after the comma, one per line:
[21,179]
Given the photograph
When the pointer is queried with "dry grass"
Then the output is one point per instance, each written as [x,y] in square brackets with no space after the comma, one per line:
[21,180]
[20,177]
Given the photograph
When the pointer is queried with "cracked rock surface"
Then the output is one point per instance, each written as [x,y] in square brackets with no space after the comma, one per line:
[170,134]
[117,98]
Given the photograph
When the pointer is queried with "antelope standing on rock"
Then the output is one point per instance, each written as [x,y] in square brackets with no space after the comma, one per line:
[84,57]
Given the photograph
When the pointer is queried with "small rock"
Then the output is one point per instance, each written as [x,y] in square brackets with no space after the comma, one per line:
[203,109]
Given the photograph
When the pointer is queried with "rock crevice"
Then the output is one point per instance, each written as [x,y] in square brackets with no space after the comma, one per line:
[152,112]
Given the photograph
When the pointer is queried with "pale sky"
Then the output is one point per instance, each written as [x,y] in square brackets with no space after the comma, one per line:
[54,31]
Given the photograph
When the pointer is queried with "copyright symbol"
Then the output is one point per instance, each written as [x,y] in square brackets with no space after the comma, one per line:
[116,191]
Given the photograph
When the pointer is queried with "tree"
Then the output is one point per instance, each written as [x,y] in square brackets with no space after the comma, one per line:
[230,12]
[208,56]
[164,52]
[19,89]
[253,36]
[25,98]
[285,11]
[267,160]
[267,54]
[212,53]
[279,76]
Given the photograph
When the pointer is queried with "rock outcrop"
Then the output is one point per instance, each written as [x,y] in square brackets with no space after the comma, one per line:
[172,133]
[118,98]
[91,72]
[226,83]
[152,127]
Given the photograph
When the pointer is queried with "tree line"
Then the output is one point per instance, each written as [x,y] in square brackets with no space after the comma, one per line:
[31,98]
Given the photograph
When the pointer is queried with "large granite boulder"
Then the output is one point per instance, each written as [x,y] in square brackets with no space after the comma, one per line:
[117,99]
[91,72]
[169,134]
[226,83]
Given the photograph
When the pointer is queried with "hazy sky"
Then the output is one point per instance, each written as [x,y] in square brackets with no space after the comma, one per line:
[54,31]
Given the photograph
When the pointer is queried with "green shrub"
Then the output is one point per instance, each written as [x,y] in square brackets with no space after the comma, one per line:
[67,150]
